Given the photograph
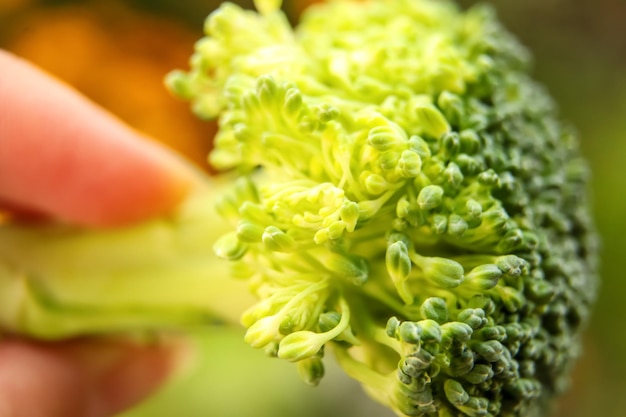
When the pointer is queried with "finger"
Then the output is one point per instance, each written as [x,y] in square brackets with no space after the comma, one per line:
[78,379]
[62,155]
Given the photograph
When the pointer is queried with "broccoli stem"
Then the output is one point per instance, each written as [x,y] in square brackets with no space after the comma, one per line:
[60,281]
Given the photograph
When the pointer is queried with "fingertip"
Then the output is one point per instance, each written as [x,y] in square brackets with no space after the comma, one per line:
[146,181]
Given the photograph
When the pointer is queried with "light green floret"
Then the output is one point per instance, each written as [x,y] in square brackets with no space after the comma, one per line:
[411,201]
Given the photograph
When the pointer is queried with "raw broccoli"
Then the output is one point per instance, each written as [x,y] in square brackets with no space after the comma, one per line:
[399,191]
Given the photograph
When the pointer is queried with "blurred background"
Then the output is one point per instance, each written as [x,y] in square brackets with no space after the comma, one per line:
[117,53]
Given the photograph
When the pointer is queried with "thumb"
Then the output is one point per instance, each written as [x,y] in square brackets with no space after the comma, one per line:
[79,378]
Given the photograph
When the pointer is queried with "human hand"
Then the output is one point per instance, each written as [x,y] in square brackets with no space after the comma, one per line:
[64,159]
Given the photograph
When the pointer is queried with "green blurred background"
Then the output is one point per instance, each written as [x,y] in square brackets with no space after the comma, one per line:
[116,52]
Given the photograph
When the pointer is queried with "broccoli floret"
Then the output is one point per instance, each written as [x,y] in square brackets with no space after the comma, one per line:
[412,201]
[399,192]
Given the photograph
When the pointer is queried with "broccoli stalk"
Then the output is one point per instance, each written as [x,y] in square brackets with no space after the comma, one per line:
[406,198]
[59,281]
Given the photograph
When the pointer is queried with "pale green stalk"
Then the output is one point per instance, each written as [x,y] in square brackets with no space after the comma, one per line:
[60,281]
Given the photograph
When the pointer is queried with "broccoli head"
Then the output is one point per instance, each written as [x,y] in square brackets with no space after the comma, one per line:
[407,198]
